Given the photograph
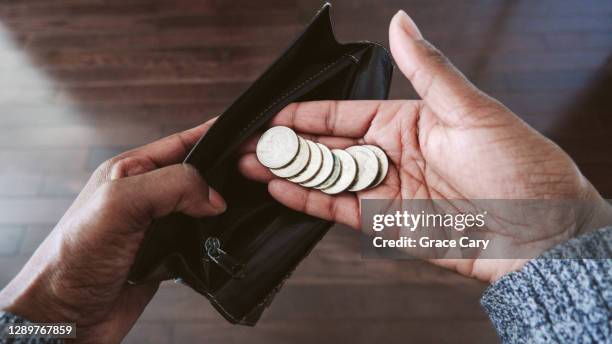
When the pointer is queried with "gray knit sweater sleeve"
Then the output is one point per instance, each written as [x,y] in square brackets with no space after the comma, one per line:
[556,299]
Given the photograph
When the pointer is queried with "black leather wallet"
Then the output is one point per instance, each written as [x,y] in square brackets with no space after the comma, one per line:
[240,259]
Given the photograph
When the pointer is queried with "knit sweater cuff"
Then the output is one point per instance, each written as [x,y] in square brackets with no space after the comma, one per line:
[556,299]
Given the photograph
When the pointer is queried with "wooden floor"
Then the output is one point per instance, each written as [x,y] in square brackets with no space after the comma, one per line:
[82,80]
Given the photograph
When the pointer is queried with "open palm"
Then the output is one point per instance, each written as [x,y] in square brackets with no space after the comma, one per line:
[455,143]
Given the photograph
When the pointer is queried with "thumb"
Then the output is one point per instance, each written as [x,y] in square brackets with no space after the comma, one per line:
[177,188]
[441,86]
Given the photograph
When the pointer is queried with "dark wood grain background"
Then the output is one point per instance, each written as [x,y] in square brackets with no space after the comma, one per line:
[83,80]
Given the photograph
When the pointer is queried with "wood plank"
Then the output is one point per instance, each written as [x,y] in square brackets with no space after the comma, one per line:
[76,136]
[332,302]
[26,211]
[42,160]
[20,184]
[10,240]
[338,331]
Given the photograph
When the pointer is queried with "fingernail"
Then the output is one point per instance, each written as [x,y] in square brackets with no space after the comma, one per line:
[216,200]
[407,25]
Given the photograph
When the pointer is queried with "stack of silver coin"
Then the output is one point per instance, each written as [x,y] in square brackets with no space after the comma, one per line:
[314,165]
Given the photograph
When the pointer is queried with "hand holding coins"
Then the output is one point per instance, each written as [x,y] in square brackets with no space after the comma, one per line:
[314,165]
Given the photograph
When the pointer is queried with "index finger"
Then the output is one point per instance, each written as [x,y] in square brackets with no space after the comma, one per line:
[329,117]
[171,149]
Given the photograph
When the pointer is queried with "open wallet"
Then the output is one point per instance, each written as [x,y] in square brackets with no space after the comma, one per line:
[240,259]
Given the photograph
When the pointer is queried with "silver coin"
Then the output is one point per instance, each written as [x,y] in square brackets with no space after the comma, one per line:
[333,178]
[347,175]
[297,165]
[327,167]
[383,162]
[277,147]
[314,164]
[367,167]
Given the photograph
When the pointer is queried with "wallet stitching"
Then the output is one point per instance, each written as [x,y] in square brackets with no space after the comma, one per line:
[295,89]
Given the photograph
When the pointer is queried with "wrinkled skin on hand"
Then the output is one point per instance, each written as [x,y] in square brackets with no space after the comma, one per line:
[79,273]
[455,143]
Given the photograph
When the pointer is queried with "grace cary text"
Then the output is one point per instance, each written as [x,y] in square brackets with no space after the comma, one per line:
[426,242]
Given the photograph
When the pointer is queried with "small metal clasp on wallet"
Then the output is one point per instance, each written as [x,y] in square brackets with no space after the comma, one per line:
[229,264]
